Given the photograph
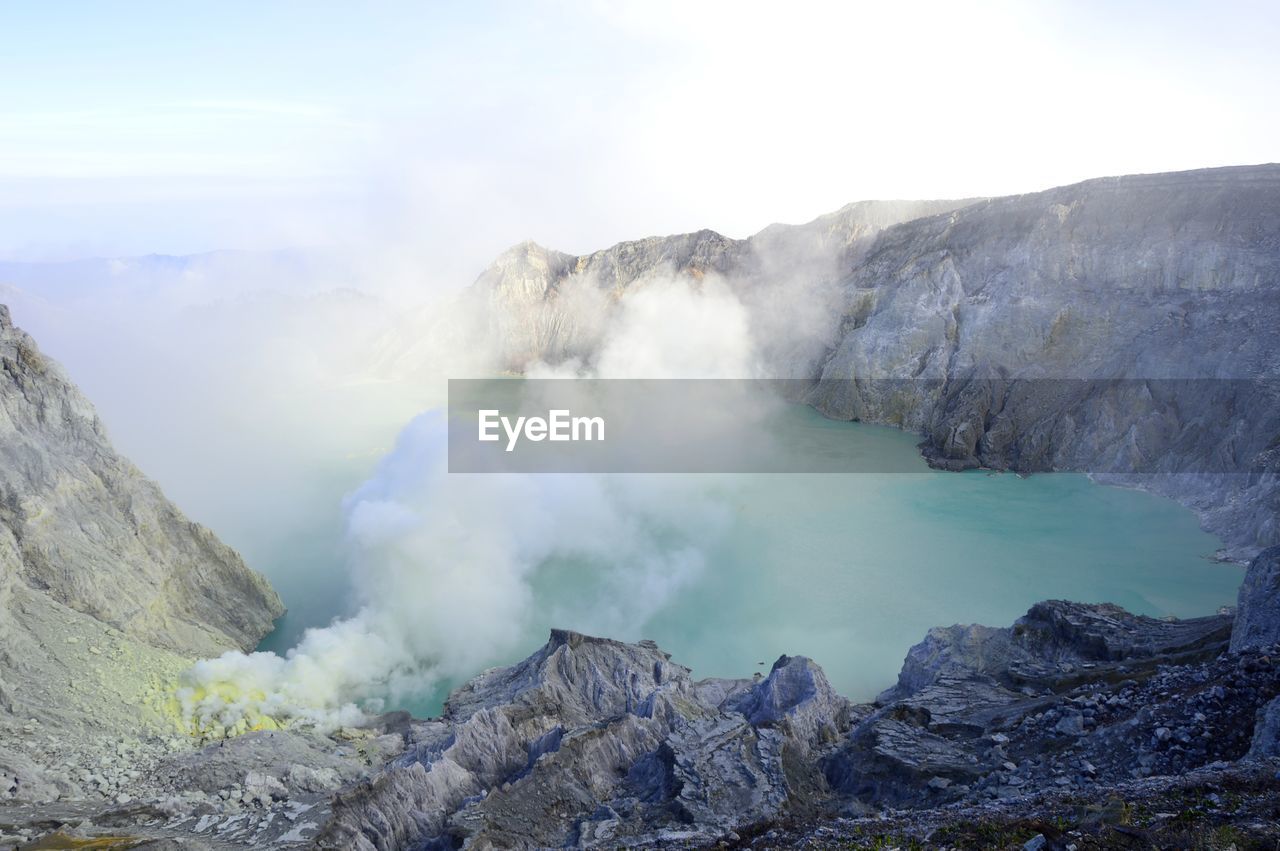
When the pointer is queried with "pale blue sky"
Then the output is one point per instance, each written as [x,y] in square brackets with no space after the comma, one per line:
[438,134]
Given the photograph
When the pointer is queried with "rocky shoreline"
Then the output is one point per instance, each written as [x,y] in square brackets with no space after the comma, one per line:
[1080,724]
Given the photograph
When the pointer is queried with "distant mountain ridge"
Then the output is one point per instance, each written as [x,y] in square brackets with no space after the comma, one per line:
[523,284]
[1140,277]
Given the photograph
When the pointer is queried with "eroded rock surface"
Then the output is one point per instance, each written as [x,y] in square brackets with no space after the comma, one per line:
[593,743]
[544,305]
[1055,642]
[1258,607]
[1070,696]
[107,592]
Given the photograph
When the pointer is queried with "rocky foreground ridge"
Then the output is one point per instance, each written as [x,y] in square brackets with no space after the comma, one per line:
[1078,725]
[1036,332]
[593,743]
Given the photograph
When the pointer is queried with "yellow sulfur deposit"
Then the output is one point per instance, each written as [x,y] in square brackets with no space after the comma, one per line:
[199,710]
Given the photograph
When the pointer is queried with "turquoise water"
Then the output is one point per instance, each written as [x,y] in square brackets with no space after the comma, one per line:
[850,569]
[853,569]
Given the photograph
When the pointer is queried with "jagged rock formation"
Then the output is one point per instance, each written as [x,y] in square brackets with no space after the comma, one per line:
[972,701]
[1051,643]
[962,322]
[595,743]
[591,742]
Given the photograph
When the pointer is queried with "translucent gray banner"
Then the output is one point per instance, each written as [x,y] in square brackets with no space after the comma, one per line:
[1113,426]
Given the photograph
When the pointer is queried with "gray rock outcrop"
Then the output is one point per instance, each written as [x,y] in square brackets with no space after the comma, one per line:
[541,304]
[1258,607]
[971,701]
[82,526]
[596,743]
[1054,642]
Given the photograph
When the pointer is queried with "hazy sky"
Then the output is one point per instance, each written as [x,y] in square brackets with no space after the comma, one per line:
[440,134]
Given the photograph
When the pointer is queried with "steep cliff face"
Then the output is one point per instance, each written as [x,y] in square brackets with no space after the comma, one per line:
[83,529]
[998,328]
[1141,275]
[1151,279]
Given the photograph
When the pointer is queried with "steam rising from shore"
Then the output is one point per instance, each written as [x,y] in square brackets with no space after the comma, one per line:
[445,566]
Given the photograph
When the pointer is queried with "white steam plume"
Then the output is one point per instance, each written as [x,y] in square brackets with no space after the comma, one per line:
[446,565]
